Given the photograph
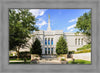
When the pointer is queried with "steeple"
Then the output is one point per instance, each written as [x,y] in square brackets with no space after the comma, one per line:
[49,28]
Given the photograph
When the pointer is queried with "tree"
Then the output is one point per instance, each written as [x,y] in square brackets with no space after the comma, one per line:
[21,23]
[36,47]
[84,24]
[61,46]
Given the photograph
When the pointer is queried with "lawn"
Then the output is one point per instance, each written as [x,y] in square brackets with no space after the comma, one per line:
[79,61]
[19,63]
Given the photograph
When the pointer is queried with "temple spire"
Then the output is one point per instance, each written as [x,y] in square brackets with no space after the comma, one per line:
[49,28]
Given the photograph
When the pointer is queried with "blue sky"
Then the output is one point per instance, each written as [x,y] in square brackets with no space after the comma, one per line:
[60,19]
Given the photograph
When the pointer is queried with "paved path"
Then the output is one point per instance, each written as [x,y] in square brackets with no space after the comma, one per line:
[83,56]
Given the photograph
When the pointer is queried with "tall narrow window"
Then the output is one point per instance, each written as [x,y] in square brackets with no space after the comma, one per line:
[82,41]
[51,50]
[49,41]
[45,50]
[48,50]
[45,41]
[78,41]
[52,41]
[75,41]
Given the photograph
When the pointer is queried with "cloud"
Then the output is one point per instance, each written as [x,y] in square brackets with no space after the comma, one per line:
[72,20]
[72,29]
[37,12]
[72,26]
[41,23]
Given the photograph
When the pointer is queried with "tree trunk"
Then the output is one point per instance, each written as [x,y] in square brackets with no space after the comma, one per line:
[17,53]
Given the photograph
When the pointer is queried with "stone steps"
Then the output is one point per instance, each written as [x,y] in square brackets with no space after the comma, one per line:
[49,56]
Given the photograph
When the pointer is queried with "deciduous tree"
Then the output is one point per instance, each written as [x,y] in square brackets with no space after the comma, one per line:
[21,23]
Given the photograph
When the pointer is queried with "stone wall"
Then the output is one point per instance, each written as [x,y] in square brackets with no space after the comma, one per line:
[83,56]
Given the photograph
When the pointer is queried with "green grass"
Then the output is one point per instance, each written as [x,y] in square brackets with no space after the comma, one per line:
[19,63]
[79,61]
[88,46]
[83,51]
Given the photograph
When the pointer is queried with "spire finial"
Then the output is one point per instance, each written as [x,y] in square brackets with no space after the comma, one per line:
[49,28]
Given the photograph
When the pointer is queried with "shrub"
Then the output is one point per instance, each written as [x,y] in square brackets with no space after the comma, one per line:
[63,59]
[71,52]
[88,46]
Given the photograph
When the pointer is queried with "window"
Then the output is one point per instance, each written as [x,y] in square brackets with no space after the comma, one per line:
[45,50]
[81,41]
[48,50]
[51,50]
[45,41]
[49,41]
[75,41]
[78,41]
[52,41]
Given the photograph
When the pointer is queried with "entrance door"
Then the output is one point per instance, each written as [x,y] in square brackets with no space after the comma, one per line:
[45,50]
[48,50]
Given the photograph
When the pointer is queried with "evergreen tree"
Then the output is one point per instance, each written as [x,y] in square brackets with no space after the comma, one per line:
[36,47]
[61,46]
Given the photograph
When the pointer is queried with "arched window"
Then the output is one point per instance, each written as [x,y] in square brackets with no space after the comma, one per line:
[75,41]
[78,41]
[45,41]
[82,41]
[52,41]
[49,41]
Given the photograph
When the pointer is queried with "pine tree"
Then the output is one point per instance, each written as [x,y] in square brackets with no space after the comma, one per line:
[36,47]
[61,46]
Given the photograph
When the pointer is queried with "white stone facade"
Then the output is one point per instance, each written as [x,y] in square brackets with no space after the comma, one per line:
[73,41]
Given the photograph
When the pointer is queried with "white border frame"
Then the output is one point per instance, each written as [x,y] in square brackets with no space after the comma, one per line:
[4,35]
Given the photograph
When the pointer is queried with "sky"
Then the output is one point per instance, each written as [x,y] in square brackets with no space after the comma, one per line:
[60,19]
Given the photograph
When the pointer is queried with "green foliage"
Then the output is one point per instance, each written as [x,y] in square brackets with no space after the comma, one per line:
[84,23]
[24,54]
[83,51]
[71,52]
[63,59]
[21,23]
[79,61]
[88,46]
[61,46]
[36,47]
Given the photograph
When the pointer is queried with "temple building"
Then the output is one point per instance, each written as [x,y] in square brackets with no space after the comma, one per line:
[49,39]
